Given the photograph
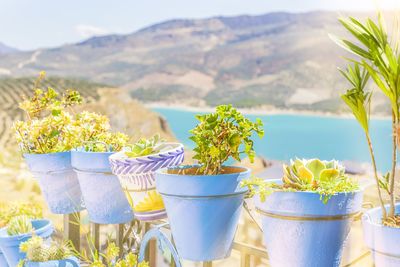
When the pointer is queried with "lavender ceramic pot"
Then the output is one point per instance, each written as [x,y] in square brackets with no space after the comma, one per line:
[138,181]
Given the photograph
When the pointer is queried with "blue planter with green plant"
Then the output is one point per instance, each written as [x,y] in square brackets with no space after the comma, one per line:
[377,58]
[19,230]
[309,212]
[204,201]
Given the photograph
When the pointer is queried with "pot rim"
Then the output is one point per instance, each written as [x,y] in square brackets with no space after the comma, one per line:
[367,218]
[361,189]
[75,150]
[46,154]
[163,171]
[120,155]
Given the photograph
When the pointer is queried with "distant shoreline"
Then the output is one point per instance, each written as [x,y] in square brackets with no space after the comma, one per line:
[259,111]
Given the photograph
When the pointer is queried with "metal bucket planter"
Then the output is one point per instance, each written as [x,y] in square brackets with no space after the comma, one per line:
[137,179]
[384,242]
[203,211]
[70,262]
[104,199]
[299,230]
[57,180]
[10,244]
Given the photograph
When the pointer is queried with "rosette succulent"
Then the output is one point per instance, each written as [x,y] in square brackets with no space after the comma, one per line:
[326,178]
[144,147]
[19,225]
[304,172]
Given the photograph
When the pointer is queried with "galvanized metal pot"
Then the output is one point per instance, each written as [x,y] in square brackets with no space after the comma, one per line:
[203,211]
[384,242]
[10,244]
[3,262]
[137,179]
[104,199]
[57,180]
[300,230]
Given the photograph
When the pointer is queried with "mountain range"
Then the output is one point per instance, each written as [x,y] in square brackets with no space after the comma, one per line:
[277,60]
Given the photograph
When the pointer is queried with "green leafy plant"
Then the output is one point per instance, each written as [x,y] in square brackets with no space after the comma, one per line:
[323,177]
[144,147]
[11,210]
[19,225]
[50,127]
[378,57]
[92,132]
[37,250]
[222,135]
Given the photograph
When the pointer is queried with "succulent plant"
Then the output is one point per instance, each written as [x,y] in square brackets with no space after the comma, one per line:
[312,171]
[19,225]
[37,250]
[144,147]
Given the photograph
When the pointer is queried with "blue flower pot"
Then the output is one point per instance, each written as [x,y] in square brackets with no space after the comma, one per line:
[104,199]
[10,244]
[203,211]
[57,180]
[299,230]
[383,241]
[3,262]
[70,262]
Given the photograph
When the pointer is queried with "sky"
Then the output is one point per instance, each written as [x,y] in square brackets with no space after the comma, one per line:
[32,24]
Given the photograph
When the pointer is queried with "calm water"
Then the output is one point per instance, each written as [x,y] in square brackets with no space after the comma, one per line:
[288,136]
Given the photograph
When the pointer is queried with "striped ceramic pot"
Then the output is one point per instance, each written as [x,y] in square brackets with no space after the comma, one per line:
[138,180]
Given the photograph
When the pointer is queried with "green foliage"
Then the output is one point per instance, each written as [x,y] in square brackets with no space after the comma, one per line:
[356,98]
[379,56]
[19,225]
[92,132]
[323,177]
[222,135]
[111,258]
[50,128]
[144,147]
[10,210]
[37,250]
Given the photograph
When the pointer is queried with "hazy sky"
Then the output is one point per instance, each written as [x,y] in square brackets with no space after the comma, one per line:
[30,24]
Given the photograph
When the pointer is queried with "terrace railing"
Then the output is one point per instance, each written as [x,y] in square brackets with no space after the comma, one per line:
[128,237]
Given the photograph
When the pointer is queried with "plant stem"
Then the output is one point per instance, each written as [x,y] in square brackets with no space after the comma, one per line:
[394,161]
[371,151]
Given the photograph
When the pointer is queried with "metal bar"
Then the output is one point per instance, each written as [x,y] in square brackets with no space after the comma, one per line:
[120,238]
[207,264]
[151,250]
[357,260]
[250,250]
[95,234]
[244,259]
[72,230]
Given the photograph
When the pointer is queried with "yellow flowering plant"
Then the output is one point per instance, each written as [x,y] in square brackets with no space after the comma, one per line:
[51,125]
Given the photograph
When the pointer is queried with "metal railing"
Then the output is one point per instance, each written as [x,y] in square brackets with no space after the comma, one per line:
[128,238]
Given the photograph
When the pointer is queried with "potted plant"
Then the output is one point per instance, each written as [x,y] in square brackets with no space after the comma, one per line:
[204,201]
[40,253]
[111,258]
[18,230]
[378,57]
[11,210]
[308,212]
[102,193]
[135,167]
[45,141]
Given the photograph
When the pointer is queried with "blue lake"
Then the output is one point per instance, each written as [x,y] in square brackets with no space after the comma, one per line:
[288,136]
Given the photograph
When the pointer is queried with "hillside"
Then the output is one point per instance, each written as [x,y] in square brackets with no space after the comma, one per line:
[276,60]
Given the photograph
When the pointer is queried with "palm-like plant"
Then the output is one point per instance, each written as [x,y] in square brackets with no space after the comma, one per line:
[378,57]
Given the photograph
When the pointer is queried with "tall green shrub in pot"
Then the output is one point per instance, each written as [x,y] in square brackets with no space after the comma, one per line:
[377,58]
[203,202]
